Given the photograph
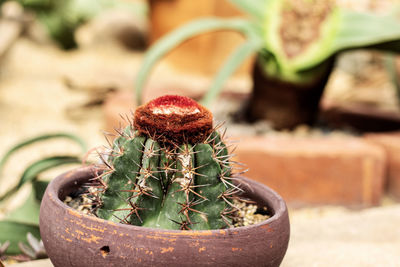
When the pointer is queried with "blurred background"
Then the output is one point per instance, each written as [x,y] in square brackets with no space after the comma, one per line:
[308,89]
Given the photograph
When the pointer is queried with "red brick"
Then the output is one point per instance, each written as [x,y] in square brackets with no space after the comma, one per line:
[345,170]
[390,142]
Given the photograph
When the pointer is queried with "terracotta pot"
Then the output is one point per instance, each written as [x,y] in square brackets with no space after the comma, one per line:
[285,104]
[205,53]
[74,239]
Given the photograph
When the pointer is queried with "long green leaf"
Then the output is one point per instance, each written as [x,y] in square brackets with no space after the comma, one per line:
[183,33]
[255,8]
[229,67]
[45,164]
[39,187]
[342,30]
[16,232]
[32,172]
[27,213]
[40,138]
[358,30]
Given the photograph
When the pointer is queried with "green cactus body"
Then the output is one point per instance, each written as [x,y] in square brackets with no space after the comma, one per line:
[175,213]
[148,194]
[154,183]
[116,199]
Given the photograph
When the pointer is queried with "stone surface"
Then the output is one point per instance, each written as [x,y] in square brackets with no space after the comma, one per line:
[36,263]
[325,170]
[390,142]
[337,237]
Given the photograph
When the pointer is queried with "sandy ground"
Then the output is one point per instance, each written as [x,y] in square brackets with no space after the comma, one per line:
[36,98]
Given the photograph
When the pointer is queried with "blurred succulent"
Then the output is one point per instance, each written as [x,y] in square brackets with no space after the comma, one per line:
[25,218]
[61,18]
[4,247]
[35,249]
[295,42]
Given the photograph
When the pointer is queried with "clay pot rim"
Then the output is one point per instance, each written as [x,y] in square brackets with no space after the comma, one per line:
[275,203]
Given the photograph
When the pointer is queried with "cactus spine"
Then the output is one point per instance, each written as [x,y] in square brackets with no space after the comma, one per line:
[169,169]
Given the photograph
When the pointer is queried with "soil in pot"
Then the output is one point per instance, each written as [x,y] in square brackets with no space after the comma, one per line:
[247,211]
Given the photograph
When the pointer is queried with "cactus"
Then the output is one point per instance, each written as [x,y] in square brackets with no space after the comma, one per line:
[168,169]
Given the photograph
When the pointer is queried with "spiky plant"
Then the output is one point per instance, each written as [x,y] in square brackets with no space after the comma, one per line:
[4,247]
[168,169]
[35,249]
[295,42]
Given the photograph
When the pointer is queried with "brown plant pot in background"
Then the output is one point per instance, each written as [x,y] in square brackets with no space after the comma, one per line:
[203,54]
[286,105]
[74,239]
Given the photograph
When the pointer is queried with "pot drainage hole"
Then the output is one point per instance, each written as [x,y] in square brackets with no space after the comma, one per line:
[105,251]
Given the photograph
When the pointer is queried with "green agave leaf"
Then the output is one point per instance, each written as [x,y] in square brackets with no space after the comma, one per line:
[171,40]
[27,213]
[255,8]
[39,187]
[61,18]
[40,138]
[16,232]
[314,53]
[360,30]
[229,67]
[45,164]
[31,173]
[37,4]
[341,30]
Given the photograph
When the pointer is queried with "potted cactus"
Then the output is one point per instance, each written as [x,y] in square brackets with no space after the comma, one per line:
[166,194]
[296,42]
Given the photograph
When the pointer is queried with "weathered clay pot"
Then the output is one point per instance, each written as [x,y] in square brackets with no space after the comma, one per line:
[74,239]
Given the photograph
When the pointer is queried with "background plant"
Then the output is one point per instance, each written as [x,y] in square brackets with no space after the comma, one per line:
[295,40]
[23,220]
[62,17]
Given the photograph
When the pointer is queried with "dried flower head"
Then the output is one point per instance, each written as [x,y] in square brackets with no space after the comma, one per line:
[174,119]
